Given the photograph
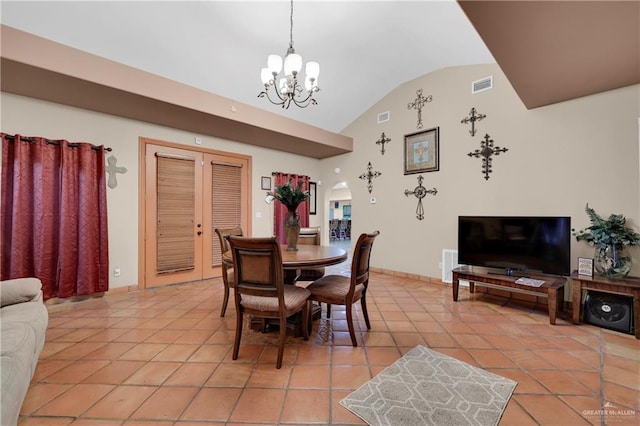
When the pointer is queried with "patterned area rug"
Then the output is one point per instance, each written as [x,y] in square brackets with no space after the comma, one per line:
[425,387]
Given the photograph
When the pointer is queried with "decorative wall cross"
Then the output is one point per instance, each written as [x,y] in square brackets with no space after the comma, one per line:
[418,103]
[486,151]
[369,175]
[383,139]
[420,192]
[113,170]
[472,118]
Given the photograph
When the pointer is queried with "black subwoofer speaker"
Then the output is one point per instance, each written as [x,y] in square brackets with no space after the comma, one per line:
[611,311]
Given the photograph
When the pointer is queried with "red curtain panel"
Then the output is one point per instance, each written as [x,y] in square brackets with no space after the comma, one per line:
[279,209]
[54,215]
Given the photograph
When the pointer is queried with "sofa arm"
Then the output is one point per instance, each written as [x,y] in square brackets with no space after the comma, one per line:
[19,291]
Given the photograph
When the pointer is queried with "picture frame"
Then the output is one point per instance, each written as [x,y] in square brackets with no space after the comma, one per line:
[265,183]
[585,266]
[422,151]
[312,198]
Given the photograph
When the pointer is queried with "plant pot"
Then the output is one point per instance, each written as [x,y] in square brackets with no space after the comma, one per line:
[612,261]
[292,230]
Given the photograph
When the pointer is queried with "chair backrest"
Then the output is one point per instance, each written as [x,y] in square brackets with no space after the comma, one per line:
[258,269]
[309,236]
[223,233]
[361,257]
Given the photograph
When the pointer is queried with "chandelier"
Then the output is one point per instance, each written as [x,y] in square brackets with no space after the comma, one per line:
[288,88]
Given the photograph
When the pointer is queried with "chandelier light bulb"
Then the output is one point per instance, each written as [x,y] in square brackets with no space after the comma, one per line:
[292,64]
[312,70]
[266,76]
[282,84]
[274,63]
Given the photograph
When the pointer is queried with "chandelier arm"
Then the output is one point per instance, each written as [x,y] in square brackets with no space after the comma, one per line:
[265,93]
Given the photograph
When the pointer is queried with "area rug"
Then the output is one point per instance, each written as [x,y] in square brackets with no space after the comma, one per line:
[425,387]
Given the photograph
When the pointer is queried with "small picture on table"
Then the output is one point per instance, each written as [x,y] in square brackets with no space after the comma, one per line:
[585,266]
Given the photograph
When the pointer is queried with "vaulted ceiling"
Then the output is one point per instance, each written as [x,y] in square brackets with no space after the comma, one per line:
[550,51]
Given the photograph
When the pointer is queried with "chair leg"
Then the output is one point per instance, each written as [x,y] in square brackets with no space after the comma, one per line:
[363,302]
[283,339]
[309,317]
[352,332]
[306,319]
[236,342]
[225,300]
[328,311]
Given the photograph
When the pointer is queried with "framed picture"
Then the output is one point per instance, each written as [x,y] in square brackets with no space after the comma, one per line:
[585,266]
[422,151]
[312,198]
[266,183]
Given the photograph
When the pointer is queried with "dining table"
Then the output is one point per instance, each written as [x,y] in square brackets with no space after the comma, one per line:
[306,256]
[293,261]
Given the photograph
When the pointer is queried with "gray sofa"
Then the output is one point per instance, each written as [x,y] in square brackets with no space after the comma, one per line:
[23,323]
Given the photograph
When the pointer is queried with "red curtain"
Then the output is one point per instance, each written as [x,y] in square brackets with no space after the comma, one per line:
[54,215]
[279,209]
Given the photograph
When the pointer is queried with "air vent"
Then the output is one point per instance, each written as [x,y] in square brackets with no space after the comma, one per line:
[449,262]
[482,84]
[384,116]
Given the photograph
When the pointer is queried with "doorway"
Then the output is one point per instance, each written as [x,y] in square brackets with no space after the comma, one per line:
[340,220]
[185,195]
[339,213]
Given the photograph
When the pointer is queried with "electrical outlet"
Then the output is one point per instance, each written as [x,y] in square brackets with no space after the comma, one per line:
[198,141]
[439,265]
[116,272]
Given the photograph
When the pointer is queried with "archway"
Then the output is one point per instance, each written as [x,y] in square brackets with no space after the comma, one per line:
[339,214]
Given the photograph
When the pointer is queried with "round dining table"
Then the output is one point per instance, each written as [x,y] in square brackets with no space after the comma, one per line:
[307,256]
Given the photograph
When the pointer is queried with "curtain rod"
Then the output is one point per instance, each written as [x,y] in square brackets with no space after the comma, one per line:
[56,142]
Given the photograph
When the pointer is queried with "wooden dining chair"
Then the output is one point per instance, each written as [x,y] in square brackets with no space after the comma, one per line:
[260,290]
[341,290]
[310,236]
[228,277]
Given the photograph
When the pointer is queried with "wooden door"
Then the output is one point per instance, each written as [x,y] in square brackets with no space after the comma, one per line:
[226,180]
[187,194]
[173,234]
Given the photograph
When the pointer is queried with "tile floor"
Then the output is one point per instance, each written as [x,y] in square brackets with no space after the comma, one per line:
[163,357]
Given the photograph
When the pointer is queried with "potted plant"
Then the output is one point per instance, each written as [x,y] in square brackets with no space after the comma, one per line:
[611,238]
[291,197]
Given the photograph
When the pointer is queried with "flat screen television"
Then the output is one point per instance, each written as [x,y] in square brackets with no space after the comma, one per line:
[516,245]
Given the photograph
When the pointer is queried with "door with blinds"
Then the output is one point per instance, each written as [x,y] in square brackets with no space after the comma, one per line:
[187,195]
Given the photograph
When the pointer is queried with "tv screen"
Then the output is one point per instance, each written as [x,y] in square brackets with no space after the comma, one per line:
[516,243]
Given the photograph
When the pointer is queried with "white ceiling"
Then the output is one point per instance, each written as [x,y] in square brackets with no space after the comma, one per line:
[365,49]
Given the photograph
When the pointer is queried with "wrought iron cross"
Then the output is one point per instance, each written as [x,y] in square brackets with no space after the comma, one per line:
[112,169]
[418,103]
[472,118]
[369,175]
[420,192]
[486,151]
[383,139]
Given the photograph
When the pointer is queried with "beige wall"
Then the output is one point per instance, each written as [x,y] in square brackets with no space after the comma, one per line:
[560,157]
[32,117]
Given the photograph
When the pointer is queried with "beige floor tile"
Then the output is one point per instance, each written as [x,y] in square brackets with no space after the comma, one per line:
[160,357]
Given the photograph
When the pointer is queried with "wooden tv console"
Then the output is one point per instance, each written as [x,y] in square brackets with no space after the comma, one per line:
[552,289]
